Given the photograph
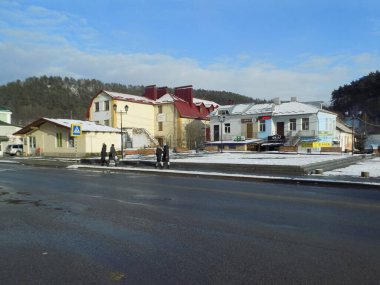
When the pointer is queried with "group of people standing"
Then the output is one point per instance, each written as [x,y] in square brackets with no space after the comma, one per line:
[111,157]
[162,156]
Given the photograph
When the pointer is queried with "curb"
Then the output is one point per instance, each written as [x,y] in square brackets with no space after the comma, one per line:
[228,176]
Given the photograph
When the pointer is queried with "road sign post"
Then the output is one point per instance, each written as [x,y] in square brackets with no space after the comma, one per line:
[76,131]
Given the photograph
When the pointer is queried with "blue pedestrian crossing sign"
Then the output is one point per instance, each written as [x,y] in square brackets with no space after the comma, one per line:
[76,130]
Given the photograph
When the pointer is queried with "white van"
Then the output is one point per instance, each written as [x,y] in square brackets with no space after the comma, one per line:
[14,149]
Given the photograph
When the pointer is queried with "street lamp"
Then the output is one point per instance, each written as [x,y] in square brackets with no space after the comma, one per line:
[354,115]
[221,120]
[121,126]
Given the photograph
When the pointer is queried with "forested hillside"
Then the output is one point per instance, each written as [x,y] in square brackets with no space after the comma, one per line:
[58,97]
[360,95]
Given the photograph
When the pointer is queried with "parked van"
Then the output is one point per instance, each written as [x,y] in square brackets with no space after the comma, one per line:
[14,149]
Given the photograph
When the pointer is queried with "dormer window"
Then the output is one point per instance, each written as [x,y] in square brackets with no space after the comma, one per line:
[223,112]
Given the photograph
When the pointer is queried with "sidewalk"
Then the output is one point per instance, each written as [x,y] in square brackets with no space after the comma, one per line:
[272,167]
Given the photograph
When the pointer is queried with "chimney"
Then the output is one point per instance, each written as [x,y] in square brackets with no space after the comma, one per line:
[293,99]
[151,92]
[161,91]
[277,101]
[185,93]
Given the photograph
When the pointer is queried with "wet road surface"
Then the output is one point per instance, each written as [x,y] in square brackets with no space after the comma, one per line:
[60,226]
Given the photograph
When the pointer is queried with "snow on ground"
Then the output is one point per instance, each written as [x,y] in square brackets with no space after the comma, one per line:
[261,158]
[370,165]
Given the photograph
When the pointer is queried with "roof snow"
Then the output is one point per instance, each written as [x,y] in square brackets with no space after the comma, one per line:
[87,126]
[129,97]
[293,108]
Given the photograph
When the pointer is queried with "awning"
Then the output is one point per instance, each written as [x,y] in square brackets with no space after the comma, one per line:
[272,144]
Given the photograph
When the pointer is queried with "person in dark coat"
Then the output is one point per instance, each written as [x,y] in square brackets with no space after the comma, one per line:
[165,156]
[112,154]
[103,154]
[159,157]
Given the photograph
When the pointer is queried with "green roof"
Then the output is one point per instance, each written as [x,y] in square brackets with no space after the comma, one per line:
[4,109]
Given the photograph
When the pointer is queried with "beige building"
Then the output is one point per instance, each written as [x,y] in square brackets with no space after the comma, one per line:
[156,118]
[344,136]
[54,137]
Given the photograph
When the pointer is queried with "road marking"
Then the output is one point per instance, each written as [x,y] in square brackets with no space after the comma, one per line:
[7,169]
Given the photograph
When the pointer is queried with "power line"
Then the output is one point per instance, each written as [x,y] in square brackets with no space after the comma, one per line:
[365,122]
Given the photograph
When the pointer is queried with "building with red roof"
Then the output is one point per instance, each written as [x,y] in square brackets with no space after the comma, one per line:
[155,118]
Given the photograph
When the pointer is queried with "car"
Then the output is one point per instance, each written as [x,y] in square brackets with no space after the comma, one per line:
[14,149]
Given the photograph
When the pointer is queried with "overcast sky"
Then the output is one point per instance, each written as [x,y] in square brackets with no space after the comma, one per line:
[258,48]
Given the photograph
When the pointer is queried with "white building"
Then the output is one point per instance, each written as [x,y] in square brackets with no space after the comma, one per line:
[269,125]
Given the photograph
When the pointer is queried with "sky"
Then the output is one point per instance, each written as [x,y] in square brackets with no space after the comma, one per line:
[261,49]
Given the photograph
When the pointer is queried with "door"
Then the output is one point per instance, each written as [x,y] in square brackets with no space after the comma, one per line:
[216,132]
[280,128]
[249,130]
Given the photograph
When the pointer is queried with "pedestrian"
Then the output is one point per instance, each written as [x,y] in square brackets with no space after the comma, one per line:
[165,156]
[103,154]
[159,157]
[112,154]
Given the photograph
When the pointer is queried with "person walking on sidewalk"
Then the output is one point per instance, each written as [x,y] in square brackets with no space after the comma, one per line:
[103,154]
[159,157]
[165,156]
[112,154]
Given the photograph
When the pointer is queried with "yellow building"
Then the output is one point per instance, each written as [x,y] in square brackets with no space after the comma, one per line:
[54,137]
[156,118]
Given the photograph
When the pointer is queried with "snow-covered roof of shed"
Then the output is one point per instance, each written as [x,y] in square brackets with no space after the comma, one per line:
[87,126]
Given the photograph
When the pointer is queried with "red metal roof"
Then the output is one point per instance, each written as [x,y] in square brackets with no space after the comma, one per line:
[190,110]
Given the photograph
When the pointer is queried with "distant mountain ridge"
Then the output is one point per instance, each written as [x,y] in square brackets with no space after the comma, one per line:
[57,97]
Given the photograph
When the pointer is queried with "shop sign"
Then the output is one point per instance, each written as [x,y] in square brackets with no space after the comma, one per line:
[264,118]
[276,138]
[239,138]
[316,144]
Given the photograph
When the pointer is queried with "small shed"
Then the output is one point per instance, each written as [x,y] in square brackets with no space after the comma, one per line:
[53,137]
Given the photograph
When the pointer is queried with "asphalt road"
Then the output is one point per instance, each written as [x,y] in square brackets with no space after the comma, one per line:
[60,226]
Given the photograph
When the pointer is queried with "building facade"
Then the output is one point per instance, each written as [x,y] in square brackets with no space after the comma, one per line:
[272,125]
[53,137]
[156,118]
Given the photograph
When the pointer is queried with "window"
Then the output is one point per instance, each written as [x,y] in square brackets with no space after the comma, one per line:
[96,106]
[59,139]
[160,109]
[223,112]
[71,141]
[227,128]
[106,122]
[106,106]
[293,124]
[262,126]
[305,124]
[32,142]
[160,127]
